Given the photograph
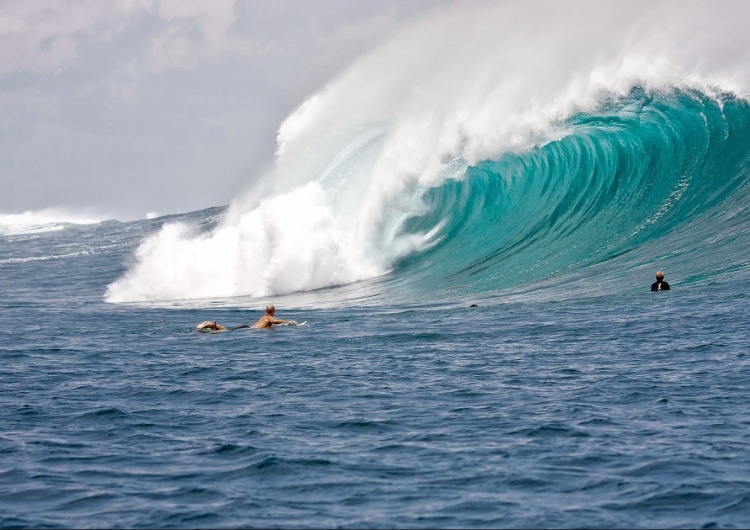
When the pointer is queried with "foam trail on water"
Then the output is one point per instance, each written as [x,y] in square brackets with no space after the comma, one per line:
[462,86]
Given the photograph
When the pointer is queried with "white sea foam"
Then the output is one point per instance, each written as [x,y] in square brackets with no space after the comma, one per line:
[464,85]
[46,220]
[289,243]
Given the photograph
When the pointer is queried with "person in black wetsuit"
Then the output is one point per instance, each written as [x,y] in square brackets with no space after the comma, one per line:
[660,284]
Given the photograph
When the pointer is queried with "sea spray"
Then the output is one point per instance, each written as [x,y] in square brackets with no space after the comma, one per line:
[288,243]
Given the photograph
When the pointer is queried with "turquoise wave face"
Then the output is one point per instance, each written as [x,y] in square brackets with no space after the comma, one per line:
[651,181]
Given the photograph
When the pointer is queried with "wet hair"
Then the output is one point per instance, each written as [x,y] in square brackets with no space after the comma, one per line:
[660,274]
[270,309]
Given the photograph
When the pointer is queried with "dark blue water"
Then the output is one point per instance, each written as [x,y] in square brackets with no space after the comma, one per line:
[526,411]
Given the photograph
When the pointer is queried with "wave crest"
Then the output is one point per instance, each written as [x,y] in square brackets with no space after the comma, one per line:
[368,170]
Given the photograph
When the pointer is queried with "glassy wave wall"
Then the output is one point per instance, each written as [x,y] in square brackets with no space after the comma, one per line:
[650,180]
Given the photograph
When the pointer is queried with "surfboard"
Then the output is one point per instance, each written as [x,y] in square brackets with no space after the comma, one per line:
[213,331]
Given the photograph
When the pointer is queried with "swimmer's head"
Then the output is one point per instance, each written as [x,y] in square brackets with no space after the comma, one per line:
[660,275]
[270,310]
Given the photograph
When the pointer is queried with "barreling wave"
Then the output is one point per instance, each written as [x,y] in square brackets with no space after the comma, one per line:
[578,163]
[648,180]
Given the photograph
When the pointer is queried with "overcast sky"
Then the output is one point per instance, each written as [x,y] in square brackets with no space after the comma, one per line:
[124,107]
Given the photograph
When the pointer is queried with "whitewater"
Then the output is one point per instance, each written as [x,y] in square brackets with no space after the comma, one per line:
[469,218]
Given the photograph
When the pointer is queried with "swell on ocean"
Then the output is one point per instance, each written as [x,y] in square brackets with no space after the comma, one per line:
[541,150]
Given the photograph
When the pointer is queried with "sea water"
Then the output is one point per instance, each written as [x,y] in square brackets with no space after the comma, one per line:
[468,220]
[617,411]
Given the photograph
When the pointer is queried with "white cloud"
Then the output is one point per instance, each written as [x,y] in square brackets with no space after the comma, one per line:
[42,35]
[195,31]
[213,18]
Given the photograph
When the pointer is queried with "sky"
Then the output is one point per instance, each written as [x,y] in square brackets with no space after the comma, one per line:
[132,108]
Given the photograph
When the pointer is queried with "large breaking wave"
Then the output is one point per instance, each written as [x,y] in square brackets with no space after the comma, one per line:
[488,148]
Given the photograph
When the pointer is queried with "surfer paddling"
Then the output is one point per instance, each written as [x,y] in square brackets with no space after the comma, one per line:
[209,325]
[266,321]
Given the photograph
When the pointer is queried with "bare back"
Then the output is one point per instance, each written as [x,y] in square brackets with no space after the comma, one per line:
[266,321]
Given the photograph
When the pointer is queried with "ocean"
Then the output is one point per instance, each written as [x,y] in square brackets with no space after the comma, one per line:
[569,395]
[473,265]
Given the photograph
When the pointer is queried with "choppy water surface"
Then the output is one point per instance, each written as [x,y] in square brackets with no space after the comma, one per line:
[626,411]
